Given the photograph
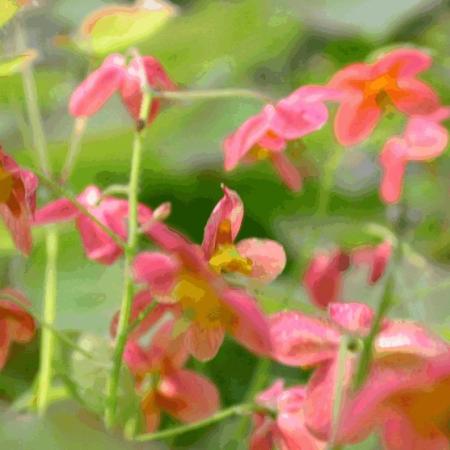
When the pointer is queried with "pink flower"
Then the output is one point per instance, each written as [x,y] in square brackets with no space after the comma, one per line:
[367,88]
[211,306]
[424,139]
[405,354]
[115,76]
[155,354]
[286,430]
[17,201]
[16,323]
[110,211]
[262,259]
[265,135]
[375,257]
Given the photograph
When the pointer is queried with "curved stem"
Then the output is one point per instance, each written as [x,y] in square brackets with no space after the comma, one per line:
[128,288]
[212,94]
[47,337]
[221,415]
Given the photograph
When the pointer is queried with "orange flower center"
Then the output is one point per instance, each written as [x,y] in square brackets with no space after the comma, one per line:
[379,87]
[6,185]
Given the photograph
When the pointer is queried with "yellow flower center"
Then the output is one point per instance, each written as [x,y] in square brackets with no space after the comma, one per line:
[259,153]
[227,259]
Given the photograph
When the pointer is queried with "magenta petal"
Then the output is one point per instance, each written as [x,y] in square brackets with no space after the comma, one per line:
[268,257]
[230,210]
[54,212]
[300,340]
[249,325]
[188,396]
[204,343]
[98,87]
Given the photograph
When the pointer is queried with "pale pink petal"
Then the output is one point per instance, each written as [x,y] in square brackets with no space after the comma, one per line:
[376,258]
[269,397]
[158,270]
[314,94]
[249,325]
[427,139]
[300,340]
[393,160]
[355,120]
[287,171]
[188,396]
[414,97]
[224,222]
[268,257]
[238,144]
[352,317]
[204,343]
[98,87]
[58,211]
[293,433]
[403,62]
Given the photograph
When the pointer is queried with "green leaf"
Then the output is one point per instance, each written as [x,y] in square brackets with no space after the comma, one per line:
[10,65]
[8,9]
[112,29]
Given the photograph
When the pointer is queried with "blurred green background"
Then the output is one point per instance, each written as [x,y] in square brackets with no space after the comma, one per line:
[273,46]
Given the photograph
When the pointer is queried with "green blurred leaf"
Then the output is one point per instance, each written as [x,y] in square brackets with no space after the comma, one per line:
[8,9]
[9,65]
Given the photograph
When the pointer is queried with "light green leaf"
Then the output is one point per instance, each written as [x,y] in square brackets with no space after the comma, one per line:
[8,9]
[9,65]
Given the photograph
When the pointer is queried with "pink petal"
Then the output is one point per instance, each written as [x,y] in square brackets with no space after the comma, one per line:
[19,227]
[268,257]
[300,340]
[414,97]
[249,325]
[393,162]
[427,139]
[238,144]
[352,317]
[355,119]
[287,171]
[376,258]
[269,397]
[294,435]
[352,77]
[188,396]
[156,269]
[204,343]
[98,87]
[228,213]
[58,211]
[261,436]
[403,62]
[314,94]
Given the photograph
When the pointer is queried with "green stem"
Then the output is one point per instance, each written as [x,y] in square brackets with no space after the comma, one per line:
[326,186]
[78,130]
[367,352]
[221,415]
[47,337]
[128,288]
[212,94]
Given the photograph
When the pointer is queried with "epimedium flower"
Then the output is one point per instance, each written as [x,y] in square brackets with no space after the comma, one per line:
[16,323]
[423,140]
[17,201]
[265,135]
[262,259]
[368,88]
[323,278]
[210,306]
[110,211]
[155,355]
[280,422]
[400,349]
[114,75]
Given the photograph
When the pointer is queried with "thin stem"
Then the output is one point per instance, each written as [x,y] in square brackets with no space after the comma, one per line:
[212,94]
[141,317]
[221,415]
[79,127]
[47,338]
[128,288]
[61,192]
[326,186]
[367,352]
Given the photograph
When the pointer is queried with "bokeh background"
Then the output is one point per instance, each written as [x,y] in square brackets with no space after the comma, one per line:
[273,46]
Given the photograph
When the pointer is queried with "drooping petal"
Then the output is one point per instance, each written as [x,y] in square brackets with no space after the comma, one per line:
[98,87]
[4,342]
[414,97]
[300,340]
[393,162]
[293,433]
[287,171]
[204,343]
[60,210]
[224,222]
[353,317]
[403,62]
[249,325]
[268,257]
[188,396]
[261,438]
[355,120]
[376,258]
[158,270]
